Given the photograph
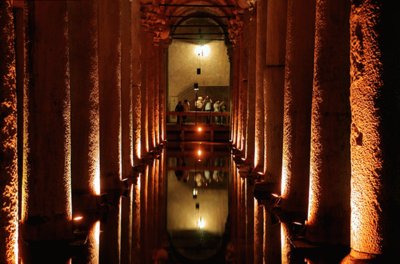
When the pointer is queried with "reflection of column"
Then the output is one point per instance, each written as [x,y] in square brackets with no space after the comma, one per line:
[110,245]
[90,252]
[249,214]
[375,142]
[110,93]
[258,250]
[297,95]
[82,25]
[274,83]
[46,212]
[259,108]
[8,139]
[144,225]
[136,224]
[330,123]
[136,82]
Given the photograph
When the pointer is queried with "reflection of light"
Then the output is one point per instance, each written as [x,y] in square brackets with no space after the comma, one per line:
[78,218]
[201,223]
[195,193]
[275,195]
[202,50]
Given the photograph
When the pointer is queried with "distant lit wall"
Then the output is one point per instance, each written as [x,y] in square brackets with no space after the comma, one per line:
[183,62]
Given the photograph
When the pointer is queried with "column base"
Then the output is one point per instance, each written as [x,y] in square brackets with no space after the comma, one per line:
[318,253]
[47,228]
[356,257]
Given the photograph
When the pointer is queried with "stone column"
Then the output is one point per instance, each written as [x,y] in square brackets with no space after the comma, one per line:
[126,128]
[259,105]
[258,250]
[299,65]
[110,122]
[110,93]
[136,82]
[329,198]
[156,98]
[242,99]
[375,144]
[83,56]
[46,212]
[8,139]
[250,83]
[150,89]
[274,72]
[163,92]
[235,94]
[145,42]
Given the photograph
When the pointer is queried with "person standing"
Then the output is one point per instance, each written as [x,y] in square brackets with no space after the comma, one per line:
[179,109]
[186,108]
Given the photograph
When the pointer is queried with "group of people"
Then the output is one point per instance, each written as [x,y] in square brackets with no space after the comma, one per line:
[185,107]
[207,104]
[202,104]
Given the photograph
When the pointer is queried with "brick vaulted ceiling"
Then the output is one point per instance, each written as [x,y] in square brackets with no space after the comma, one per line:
[166,17]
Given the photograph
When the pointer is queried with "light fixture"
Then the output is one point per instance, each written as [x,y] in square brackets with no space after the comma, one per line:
[199,129]
[195,193]
[201,223]
[78,218]
[202,50]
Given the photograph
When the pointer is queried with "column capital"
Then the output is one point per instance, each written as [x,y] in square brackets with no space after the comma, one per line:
[235,27]
[153,20]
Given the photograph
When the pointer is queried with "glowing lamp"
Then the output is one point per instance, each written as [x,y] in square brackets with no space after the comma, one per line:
[202,50]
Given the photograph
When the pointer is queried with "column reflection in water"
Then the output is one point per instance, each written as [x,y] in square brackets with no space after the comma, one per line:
[197,202]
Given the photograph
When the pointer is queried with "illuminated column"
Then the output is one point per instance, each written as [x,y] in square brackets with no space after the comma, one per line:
[235,66]
[259,105]
[163,91]
[242,103]
[46,212]
[297,105]
[126,128]
[136,83]
[249,81]
[82,26]
[146,40]
[110,93]
[150,86]
[374,139]
[126,89]
[274,72]
[156,98]
[110,122]
[8,139]
[329,199]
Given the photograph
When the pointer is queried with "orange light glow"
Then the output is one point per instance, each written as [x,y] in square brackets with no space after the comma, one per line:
[199,152]
[78,218]
[199,129]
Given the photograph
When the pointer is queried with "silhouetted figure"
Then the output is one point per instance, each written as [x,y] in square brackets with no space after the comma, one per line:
[179,108]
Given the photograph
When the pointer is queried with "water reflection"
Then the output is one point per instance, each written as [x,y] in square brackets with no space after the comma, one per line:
[188,205]
[197,203]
